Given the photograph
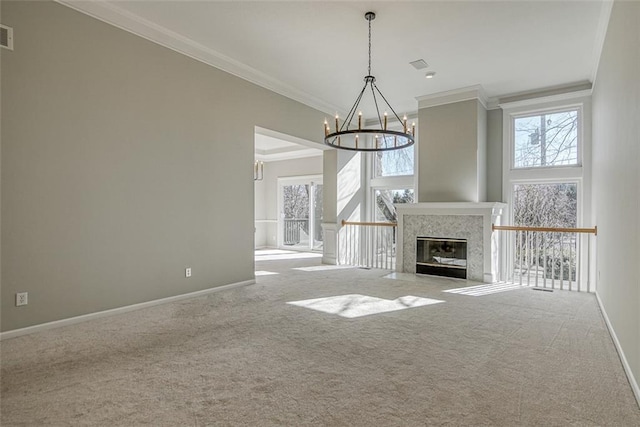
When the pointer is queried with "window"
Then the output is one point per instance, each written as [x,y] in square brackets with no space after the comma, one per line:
[548,139]
[391,181]
[545,205]
[546,183]
[393,163]
[384,210]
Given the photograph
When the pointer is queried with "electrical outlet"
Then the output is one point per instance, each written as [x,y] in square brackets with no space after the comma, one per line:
[187,272]
[22,298]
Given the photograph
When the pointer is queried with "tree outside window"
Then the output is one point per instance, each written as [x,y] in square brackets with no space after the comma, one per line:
[385,210]
[546,205]
[544,140]
[394,162]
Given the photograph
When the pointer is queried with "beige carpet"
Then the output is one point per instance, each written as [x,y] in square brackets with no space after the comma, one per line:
[246,357]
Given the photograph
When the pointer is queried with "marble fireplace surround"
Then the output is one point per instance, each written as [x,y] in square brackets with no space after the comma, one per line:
[458,220]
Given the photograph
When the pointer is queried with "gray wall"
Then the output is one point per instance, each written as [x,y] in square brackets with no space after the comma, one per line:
[123,162]
[482,153]
[494,155]
[267,194]
[330,189]
[616,181]
[450,158]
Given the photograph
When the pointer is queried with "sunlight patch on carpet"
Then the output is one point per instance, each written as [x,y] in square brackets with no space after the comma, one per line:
[265,273]
[488,289]
[323,267]
[356,305]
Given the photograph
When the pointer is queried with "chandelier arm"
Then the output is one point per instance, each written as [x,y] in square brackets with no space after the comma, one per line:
[353,109]
[375,101]
[387,102]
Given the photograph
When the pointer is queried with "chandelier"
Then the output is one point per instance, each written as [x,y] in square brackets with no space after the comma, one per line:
[347,137]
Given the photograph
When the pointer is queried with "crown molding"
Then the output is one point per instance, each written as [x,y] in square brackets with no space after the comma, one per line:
[537,100]
[114,15]
[452,96]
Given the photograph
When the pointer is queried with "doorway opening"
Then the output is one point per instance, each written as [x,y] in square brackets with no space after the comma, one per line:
[284,157]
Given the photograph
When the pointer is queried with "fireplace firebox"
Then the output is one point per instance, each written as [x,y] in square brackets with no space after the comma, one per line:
[441,257]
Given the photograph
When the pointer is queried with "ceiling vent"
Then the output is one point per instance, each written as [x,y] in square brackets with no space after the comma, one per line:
[419,64]
[6,37]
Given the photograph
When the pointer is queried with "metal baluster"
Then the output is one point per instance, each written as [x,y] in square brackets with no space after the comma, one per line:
[380,246]
[519,233]
[366,246]
[588,263]
[348,244]
[374,230]
[562,262]
[553,260]
[353,247]
[385,241]
[361,241]
[529,259]
[536,248]
[387,246]
[374,247]
[572,243]
[353,236]
[544,260]
[578,263]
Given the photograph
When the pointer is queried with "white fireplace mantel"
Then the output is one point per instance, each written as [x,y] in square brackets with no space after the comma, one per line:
[432,217]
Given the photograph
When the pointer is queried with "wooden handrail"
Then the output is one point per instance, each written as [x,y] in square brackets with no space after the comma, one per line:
[383,224]
[593,230]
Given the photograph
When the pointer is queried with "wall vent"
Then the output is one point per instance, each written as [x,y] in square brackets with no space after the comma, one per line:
[6,37]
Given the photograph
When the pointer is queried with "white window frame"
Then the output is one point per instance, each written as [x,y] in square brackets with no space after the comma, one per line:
[579,173]
[397,182]
[389,182]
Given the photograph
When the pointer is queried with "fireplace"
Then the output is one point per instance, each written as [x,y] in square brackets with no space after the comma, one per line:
[441,257]
[470,221]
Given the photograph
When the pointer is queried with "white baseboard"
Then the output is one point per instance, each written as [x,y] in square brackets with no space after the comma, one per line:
[85,317]
[625,364]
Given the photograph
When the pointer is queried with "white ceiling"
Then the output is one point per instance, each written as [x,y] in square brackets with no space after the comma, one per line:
[316,51]
[271,146]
